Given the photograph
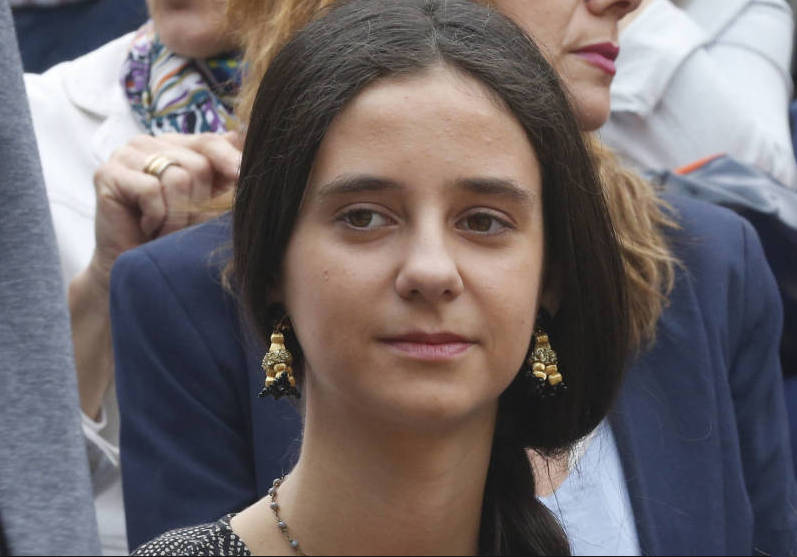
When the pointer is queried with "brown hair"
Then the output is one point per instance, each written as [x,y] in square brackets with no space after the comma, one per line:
[640,216]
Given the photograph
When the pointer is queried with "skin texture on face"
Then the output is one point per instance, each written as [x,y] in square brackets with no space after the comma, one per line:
[422,214]
[562,28]
[192,28]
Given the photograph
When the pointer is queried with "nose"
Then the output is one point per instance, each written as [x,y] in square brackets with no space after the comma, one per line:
[429,271]
[617,9]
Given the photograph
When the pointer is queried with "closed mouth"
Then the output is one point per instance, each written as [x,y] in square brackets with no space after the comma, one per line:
[601,55]
[433,347]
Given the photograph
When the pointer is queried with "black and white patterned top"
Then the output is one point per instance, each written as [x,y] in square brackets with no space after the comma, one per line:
[207,539]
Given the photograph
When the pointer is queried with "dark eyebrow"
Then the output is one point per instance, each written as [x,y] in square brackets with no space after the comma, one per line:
[356,184]
[496,187]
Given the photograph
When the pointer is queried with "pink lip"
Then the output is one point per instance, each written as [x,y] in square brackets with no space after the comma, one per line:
[431,347]
[601,55]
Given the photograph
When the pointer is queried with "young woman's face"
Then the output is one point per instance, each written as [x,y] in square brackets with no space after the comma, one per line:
[413,274]
[580,40]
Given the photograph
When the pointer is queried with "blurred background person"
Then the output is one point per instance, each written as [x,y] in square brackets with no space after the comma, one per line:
[45,491]
[700,77]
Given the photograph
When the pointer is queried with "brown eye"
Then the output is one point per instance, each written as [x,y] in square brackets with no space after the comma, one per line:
[480,223]
[361,219]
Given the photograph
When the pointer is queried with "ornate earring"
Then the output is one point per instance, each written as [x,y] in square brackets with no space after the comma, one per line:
[277,365]
[544,367]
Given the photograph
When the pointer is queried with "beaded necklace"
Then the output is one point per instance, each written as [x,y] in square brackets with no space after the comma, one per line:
[283,528]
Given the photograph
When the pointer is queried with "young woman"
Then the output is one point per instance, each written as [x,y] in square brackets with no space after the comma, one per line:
[414,191]
[689,423]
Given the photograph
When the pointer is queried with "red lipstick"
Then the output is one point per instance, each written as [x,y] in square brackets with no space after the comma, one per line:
[601,55]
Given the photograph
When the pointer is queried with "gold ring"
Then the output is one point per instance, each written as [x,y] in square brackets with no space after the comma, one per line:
[156,165]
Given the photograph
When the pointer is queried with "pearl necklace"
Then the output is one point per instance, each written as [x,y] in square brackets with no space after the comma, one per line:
[272,493]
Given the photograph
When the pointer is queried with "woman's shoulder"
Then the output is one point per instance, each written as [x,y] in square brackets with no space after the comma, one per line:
[206,539]
[723,275]
[706,234]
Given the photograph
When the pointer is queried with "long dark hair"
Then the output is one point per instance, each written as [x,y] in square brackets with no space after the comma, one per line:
[312,79]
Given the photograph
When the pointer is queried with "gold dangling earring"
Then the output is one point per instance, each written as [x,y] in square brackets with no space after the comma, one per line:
[277,364]
[545,367]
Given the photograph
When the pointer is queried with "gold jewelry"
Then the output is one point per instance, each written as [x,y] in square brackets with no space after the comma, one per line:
[277,363]
[545,365]
[156,165]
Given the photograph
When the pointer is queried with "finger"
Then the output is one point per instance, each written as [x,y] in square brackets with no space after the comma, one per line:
[236,138]
[222,164]
[177,183]
[131,207]
[187,185]
[220,204]
[222,152]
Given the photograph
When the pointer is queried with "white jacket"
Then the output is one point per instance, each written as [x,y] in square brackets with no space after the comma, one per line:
[80,116]
[705,77]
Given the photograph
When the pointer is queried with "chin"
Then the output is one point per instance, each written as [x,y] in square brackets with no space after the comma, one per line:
[191,36]
[592,111]
[433,406]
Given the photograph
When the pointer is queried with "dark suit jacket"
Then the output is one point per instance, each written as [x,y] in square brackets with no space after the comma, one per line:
[700,423]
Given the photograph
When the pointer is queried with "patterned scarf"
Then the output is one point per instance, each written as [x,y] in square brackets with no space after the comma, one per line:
[172,94]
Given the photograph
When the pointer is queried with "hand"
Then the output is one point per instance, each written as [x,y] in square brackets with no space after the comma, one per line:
[626,21]
[134,207]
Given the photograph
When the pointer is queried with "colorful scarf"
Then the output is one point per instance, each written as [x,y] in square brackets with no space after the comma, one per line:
[172,94]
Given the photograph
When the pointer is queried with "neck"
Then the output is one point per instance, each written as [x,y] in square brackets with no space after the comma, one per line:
[364,487]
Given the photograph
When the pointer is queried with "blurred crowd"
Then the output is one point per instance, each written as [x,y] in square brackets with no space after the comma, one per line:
[128,395]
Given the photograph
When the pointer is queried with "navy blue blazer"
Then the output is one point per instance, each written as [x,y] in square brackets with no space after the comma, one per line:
[700,423]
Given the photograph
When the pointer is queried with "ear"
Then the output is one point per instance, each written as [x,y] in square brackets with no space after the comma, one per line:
[551,292]
[275,294]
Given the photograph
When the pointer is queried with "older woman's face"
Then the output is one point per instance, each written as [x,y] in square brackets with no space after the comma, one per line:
[580,40]
[192,28]
[413,274]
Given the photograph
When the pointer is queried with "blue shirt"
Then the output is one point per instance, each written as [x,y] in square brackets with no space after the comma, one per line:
[593,504]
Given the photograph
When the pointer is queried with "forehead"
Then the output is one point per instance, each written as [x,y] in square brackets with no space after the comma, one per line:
[438,122]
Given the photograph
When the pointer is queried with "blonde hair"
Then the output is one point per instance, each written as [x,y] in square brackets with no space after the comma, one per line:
[263,26]
[640,218]
[639,215]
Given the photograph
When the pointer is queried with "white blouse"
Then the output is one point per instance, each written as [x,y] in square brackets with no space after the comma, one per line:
[705,77]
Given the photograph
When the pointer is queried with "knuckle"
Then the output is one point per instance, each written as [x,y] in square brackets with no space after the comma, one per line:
[178,181]
[106,172]
[204,170]
[151,188]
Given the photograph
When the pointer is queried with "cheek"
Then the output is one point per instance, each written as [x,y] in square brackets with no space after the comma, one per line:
[330,297]
[507,300]
[589,90]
